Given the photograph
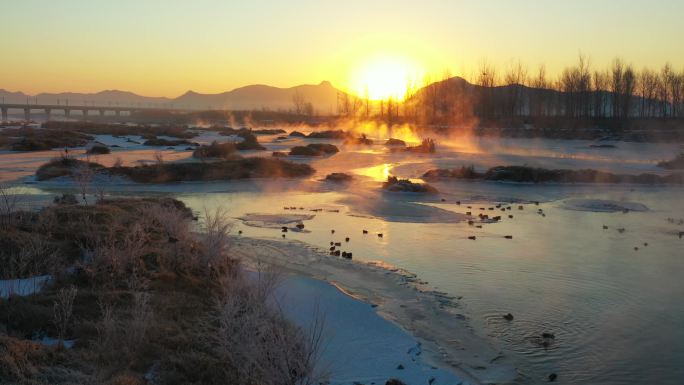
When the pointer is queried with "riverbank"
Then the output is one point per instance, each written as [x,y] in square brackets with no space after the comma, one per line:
[445,337]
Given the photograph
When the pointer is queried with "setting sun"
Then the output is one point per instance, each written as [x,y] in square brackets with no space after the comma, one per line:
[383,78]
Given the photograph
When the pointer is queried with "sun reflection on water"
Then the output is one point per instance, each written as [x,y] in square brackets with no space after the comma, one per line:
[377,173]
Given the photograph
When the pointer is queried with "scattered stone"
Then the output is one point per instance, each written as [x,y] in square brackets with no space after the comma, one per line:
[394,381]
[395,184]
[508,317]
[552,377]
[339,177]
[395,142]
[68,199]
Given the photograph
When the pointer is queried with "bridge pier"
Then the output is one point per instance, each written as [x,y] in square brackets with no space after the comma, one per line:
[102,112]
[85,113]
[48,112]
[4,114]
[67,112]
[27,114]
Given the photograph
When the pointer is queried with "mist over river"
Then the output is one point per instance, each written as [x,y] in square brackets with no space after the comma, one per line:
[598,266]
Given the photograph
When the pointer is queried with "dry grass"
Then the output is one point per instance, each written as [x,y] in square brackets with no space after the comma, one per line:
[236,168]
[215,150]
[29,139]
[177,131]
[150,289]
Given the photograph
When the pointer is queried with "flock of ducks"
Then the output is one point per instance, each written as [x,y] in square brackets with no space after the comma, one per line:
[545,339]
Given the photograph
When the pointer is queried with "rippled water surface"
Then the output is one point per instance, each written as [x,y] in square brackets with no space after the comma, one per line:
[612,297]
[615,311]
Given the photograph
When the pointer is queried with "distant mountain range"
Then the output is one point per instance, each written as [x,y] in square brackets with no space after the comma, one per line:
[323,96]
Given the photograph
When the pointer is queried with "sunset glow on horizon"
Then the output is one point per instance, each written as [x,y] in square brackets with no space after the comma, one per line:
[212,46]
[384,77]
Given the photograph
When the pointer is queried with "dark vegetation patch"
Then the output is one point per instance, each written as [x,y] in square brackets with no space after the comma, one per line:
[395,184]
[240,168]
[339,177]
[540,175]
[675,164]
[362,140]
[314,149]
[331,134]
[142,295]
[31,139]
[269,131]
[215,150]
[166,142]
[246,130]
[98,149]
[65,166]
[602,146]
[395,142]
[249,142]
[235,168]
[427,146]
[176,131]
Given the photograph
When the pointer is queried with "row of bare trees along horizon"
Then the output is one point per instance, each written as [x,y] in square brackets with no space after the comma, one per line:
[619,92]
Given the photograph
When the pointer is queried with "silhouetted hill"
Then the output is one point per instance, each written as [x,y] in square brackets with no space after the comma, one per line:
[258,96]
[323,96]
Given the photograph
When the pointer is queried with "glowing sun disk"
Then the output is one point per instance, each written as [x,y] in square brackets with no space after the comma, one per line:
[383,79]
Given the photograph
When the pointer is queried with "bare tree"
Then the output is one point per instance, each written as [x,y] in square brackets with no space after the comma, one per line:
[62,309]
[159,157]
[487,80]
[515,78]
[8,205]
[599,89]
[83,176]
[540,85]
[299,103]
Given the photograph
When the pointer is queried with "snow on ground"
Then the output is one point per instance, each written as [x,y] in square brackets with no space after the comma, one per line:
[23,287]
[358,345]
[602,205]
[49,341]
[274,221]
[369,318]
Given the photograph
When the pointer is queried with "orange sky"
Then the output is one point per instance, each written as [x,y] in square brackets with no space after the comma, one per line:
[165,47]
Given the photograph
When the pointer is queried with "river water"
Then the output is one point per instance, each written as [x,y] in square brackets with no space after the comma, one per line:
[611,297]
[606,282]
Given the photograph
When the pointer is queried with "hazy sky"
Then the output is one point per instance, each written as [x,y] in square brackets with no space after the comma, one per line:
[165,47]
